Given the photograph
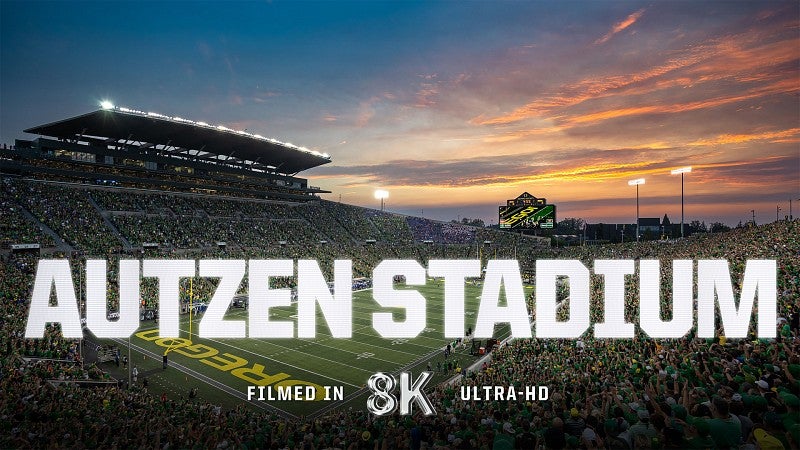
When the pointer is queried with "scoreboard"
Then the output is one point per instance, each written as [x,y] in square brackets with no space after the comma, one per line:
[527,212]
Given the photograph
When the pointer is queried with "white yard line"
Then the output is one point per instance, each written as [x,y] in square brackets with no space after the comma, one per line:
[287,349]
[330,337]
[208,380]
[440,342]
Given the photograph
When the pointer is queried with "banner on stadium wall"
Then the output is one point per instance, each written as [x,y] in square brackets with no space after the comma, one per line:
[25,246]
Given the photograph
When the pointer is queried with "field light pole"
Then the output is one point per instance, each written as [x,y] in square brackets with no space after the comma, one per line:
[381,195]
[681,171]
[636,183]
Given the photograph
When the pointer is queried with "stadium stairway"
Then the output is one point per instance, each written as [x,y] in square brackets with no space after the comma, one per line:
[198,212]
[61,244]
[125,244]
[488,356]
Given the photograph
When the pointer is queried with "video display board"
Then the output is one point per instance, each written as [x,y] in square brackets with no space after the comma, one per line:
[527,212]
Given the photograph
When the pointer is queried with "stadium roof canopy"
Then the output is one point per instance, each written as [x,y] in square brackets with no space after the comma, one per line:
[176,135]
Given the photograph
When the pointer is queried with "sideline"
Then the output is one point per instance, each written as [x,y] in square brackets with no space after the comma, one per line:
[200,377]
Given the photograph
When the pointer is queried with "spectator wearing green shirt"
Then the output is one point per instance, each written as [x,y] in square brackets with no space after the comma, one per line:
[725,428]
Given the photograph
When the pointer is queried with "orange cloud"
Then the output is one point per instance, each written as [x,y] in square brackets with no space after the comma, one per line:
[591,88]
[580,169]
[592,172]
[741,57]
[630,20]
[772,136]
[788,86]
[426,95]
[738,57]
[520,134]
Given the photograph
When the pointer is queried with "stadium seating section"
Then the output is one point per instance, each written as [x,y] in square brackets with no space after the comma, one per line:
[615,394]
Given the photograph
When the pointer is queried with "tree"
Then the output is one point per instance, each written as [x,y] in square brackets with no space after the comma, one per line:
[665,221]
[570,225]
[696,226]
[718,227]
[472,222]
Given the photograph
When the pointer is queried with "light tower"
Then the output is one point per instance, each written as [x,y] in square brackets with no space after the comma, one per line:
[381,195]
[681,171]
[636,183]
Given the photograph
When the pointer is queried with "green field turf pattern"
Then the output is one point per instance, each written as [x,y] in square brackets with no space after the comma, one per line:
[323,360]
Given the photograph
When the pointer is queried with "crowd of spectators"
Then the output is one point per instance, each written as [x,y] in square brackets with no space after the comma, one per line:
[190,221]
[58,370]
[66,211]
[202,232]
[639,393]
[426,230]
[393,228]
[778,240]
[454,233]
[16,229]
[506,240]
[183,204]
[354,219]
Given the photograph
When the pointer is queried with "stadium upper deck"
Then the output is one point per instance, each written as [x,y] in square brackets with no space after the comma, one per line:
[115,145]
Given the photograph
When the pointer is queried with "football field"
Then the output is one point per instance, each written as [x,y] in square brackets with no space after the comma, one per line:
[222,369]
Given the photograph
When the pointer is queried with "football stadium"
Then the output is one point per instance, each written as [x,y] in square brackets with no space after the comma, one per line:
[120,184]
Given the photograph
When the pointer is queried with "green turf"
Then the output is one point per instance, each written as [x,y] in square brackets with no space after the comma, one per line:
[322,360]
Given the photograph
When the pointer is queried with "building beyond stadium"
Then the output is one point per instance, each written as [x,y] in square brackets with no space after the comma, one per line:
[121,146]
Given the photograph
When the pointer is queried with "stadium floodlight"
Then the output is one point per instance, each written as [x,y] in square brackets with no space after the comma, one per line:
[681,171]
[107,105]
[381,195]
[636,183]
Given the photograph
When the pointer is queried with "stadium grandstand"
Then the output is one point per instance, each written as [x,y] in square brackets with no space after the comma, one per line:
[122,146]
[117,183]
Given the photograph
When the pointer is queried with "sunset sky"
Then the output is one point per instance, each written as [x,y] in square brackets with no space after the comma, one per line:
[453,107]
